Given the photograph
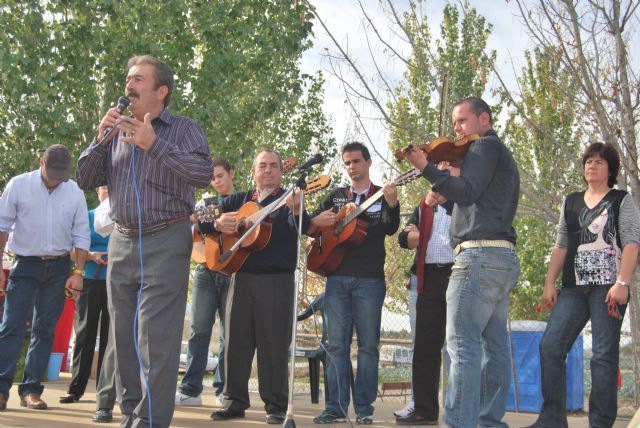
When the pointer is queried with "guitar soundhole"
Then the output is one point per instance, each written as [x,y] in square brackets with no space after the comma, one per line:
[243,226]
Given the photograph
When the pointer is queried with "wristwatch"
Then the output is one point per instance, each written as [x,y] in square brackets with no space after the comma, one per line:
[79,272]
[624,284]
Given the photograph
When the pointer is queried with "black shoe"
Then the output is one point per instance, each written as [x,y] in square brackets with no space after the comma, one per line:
[102,415]
[226,414]
[275,418]
[71,398]
[414,419]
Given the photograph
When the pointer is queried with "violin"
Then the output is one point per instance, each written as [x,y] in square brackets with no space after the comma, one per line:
[441,149]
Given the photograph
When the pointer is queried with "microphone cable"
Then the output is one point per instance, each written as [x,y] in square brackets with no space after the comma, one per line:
[137,312]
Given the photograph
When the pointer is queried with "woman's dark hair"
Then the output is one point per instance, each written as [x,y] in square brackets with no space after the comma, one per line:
[609,154]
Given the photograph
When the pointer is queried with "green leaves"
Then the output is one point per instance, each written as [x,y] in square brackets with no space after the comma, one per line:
[236,63]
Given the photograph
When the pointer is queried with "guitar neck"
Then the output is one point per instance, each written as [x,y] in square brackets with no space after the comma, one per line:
[271,207]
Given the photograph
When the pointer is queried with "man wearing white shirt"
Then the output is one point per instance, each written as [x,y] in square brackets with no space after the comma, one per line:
[47,214]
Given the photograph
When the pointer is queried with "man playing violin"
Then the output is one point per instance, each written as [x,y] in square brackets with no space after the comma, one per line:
[355,291]
[483,201]
[260,300]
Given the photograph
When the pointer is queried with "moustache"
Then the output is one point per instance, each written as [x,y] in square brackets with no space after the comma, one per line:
[133,94]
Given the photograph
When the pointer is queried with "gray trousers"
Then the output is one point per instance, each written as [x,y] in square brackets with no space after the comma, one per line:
[106,386]
[160,320]
[259,316]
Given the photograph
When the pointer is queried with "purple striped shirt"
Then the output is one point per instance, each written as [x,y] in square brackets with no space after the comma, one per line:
[167,173]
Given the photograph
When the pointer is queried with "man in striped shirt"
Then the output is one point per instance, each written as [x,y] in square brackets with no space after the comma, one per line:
[152,165]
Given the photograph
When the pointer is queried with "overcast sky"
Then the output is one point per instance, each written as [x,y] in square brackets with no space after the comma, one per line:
[345,19]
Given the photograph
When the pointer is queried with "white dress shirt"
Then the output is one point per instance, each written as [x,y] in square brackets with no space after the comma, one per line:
[43,223]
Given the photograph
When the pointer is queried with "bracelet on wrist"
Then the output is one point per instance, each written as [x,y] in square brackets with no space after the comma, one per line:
[78,271]
[624,284]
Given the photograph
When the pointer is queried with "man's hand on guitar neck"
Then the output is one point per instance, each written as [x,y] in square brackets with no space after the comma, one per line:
[226,223]
[390,194]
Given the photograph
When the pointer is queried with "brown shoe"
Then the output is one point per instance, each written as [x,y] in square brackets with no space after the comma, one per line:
[3,403]
[33,401]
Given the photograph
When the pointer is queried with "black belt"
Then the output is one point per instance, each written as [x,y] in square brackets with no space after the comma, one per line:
[133,232]
[41,258]
[438,265]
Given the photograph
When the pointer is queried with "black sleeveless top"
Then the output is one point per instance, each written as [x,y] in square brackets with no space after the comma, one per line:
[594,248]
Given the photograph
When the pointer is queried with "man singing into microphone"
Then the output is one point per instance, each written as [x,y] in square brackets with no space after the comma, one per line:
[151,165]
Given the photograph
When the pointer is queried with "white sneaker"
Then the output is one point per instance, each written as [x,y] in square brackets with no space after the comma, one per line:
[220,399]
[403,413]
[186,400]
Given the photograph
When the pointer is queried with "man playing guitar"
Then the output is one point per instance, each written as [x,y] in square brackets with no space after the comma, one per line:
[355,290]
[208,296]
[259,314]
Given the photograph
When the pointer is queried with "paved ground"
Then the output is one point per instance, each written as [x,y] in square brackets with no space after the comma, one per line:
[79,414]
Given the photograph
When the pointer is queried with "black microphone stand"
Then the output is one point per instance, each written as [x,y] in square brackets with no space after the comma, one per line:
[289,421]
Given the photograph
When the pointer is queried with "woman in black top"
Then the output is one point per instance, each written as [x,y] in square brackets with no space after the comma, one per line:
[596,251]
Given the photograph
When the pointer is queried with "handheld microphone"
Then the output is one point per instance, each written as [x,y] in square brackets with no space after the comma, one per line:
[123,103]
[316,159]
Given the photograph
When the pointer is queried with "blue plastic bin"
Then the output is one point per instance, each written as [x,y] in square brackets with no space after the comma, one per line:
[526,337]
[53,369]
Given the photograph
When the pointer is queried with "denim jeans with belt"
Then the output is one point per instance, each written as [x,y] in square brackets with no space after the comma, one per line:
[32,281]
[477,337]
[353,302]
[208,296]
[575,306]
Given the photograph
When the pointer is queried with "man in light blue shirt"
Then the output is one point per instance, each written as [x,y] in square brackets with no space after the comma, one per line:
[47,215]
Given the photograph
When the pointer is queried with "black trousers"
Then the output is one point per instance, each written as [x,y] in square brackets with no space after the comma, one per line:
[258,318]
[431,317]
[91,311]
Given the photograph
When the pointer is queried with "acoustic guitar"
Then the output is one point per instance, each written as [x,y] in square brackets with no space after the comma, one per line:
[211,213]
[331,243]
[217,244]
[203,215]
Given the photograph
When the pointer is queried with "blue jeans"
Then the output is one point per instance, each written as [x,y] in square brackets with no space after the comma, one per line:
[575,306]
[477,337]
[31,282]
[353,302]
[208,296]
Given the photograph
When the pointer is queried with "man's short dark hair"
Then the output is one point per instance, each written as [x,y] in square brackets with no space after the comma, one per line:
[220,161]
[478,106]
[163,73]
[609,154]
[355,146]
